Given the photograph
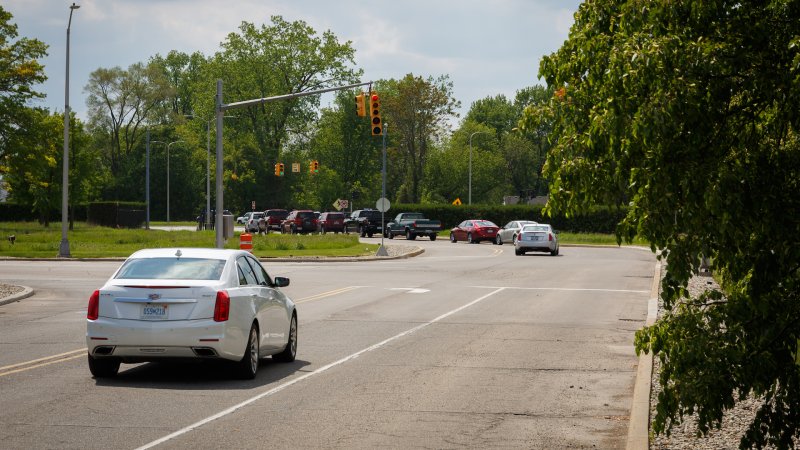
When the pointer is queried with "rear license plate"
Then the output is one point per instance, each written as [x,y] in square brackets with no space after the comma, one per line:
[154,312]
[533,238]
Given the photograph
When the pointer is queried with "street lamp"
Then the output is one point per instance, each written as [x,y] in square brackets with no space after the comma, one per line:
[470,163]
[168,146]
[63,248]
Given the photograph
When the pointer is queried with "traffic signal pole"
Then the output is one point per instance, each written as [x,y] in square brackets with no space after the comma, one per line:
[220,112]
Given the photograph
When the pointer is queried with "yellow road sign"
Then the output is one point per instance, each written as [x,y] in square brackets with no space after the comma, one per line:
[457,202]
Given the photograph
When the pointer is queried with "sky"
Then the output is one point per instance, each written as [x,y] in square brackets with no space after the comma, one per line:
[487,47]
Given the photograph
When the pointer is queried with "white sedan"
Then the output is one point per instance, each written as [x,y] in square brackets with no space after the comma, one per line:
[539,238]
[191,303]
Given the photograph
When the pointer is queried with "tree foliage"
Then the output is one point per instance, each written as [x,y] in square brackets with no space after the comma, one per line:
[688,112]
[20,70]
[417,111]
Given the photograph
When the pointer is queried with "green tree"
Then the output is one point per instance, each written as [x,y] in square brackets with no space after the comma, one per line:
[417,111]
[264,61]
[20,71]
[688,112]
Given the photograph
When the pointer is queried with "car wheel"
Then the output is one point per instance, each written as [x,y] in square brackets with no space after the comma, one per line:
[498,240]
[369,234]
[103,367]
[519,252]
[294,229]
[433,237]
[469,239]
[410,236]
[554,252]
[289,353]
[388,235]
[452,237]
[362,231]
[248,366]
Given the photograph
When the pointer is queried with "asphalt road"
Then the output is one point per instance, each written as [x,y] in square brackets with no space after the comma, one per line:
[463,346]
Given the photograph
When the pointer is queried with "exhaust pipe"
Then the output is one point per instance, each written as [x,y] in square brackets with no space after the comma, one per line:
[204,352]
[104,350]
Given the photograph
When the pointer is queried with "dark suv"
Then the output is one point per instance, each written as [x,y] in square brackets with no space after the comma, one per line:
[331,221]
[365,222]
[300,221]
[275,217]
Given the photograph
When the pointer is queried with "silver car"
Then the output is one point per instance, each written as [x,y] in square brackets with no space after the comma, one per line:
[537,238]
[190,303]
[509,232]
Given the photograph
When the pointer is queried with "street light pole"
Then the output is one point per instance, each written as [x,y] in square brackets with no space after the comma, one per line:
[168,146]
[63,248]
[470,164]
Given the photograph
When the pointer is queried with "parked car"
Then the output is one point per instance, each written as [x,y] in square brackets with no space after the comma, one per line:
[474,231]
[252,222]
[190,304]
[244,218]
[539,238]
[300,221]
[365,222]
[509,232]
[275,217]
[330,222]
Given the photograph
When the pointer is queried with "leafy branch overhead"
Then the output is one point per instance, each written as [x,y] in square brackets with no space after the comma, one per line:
[688,113]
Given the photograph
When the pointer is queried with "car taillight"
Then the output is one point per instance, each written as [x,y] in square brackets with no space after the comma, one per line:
[93,312]
[222,308]
[550,237]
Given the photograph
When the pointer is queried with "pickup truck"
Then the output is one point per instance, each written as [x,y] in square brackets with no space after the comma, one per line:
[411,225]
[365,222]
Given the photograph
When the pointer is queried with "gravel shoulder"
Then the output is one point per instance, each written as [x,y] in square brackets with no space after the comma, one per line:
[684,436]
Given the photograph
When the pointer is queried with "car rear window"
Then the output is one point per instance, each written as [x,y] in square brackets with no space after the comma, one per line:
[332,216]
[171,269]
[484,223]
[306,215]
[282,214]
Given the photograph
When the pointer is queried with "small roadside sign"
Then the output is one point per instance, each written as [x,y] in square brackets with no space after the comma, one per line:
[341,204]
[253,205]
[457,202]
[383,204]
[295,167]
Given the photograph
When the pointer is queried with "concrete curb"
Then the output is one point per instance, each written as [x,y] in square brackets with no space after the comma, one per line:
[26,292]
[639,424]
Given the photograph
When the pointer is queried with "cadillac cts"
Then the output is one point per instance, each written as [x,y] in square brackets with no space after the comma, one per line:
[187,304]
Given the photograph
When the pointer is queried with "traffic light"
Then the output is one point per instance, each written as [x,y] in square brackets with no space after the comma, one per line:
[279,169]
[361,110]
[375,114]
[314,166]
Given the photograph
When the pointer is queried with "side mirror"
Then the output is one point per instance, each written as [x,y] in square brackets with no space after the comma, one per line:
[280,282]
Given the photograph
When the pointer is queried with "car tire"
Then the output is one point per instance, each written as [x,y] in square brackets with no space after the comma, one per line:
[247,367]
[519,252]
[103,367]
[452,237]
[362,231]
[388,235]
[294,229]
[498,240]
[289,353]
[369,234]
[469,239]
[554,252]
[433,237]
[410,236]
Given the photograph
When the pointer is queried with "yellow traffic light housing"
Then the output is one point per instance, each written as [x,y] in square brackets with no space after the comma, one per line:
[361,109]
[279,169]
[314,166]
[375,114]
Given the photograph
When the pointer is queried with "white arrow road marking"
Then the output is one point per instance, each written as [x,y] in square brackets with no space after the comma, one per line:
[411,290]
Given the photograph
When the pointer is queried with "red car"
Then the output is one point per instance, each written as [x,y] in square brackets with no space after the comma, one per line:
[275,217]
[300,221]
[331,221]
[474,231]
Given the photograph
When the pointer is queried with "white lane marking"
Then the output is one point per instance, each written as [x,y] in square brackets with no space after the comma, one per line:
[283,386]
[563,289]
[411,290]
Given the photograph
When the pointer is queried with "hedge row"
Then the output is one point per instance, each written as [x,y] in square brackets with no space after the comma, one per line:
[109,214]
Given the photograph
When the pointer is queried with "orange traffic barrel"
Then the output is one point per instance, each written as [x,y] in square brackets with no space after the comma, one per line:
[246,242]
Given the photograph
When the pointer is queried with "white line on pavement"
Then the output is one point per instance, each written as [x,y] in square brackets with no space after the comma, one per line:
[322,369]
